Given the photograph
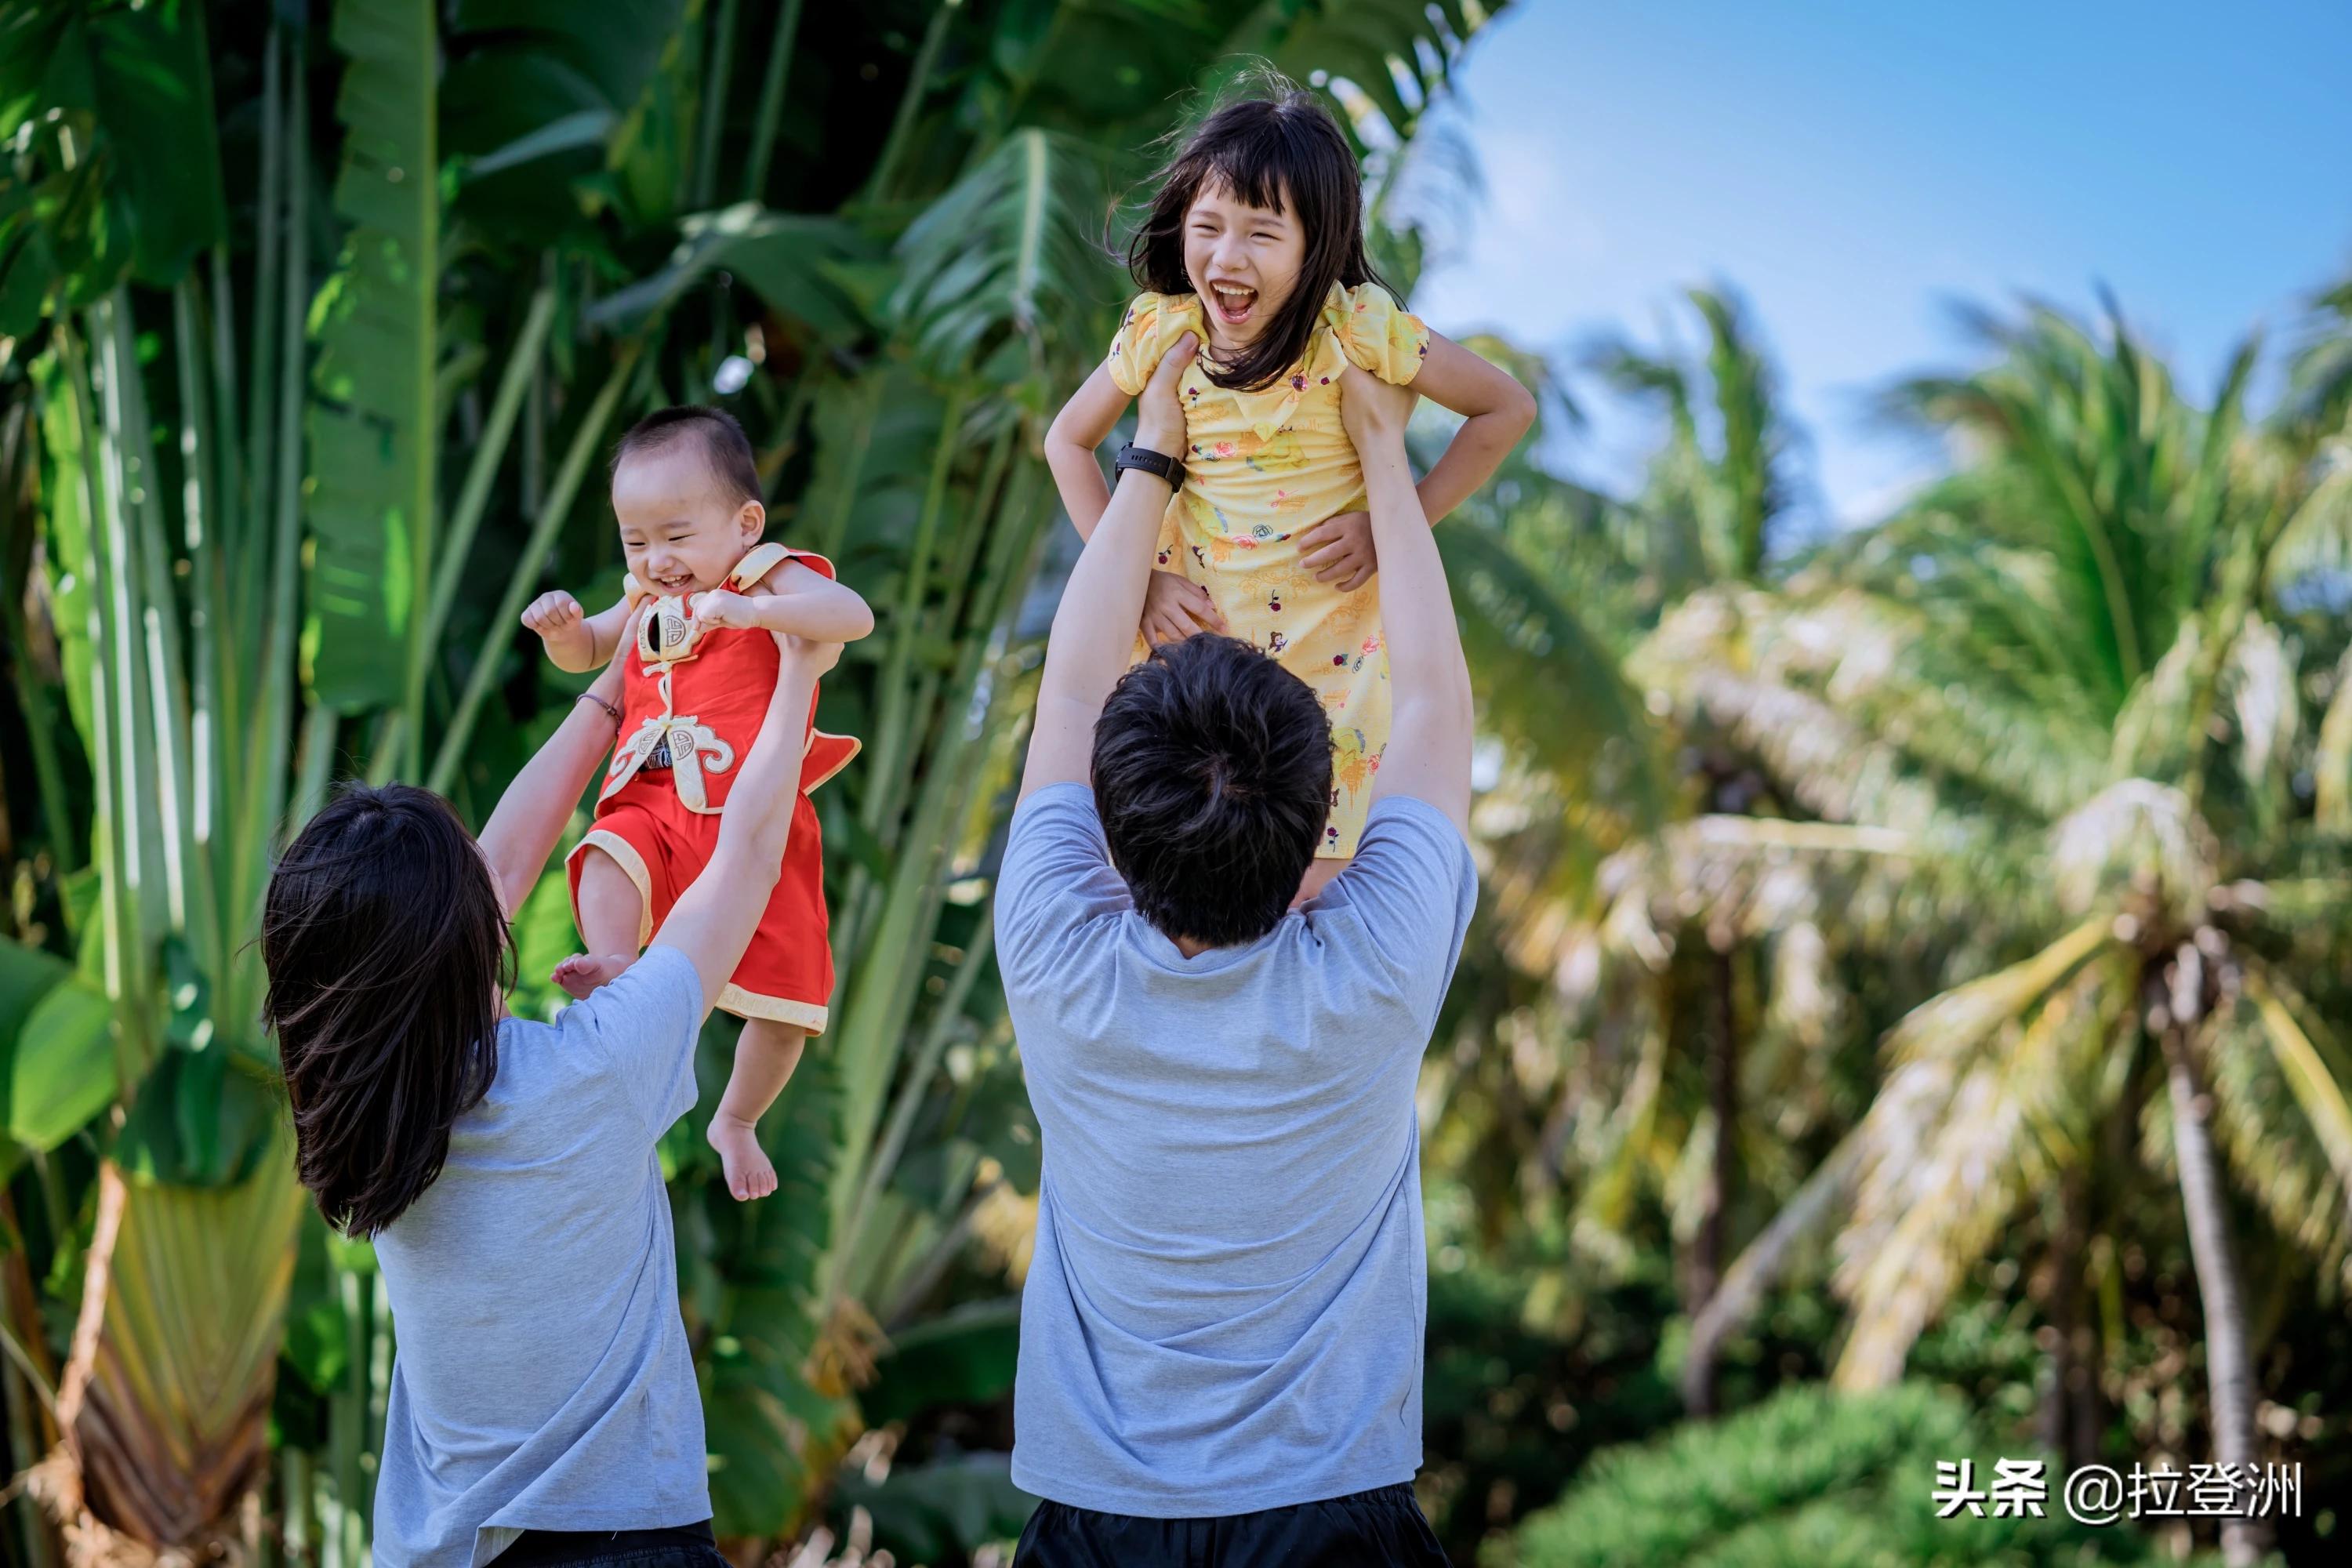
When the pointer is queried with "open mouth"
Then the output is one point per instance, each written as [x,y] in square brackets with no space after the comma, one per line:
[1233,302]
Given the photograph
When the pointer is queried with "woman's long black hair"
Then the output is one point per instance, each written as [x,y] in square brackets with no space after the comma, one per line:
[1277,148]
[387,954]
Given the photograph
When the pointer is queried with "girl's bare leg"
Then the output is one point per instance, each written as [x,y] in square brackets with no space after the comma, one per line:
[609,914]
[764,1059]
[1319,872]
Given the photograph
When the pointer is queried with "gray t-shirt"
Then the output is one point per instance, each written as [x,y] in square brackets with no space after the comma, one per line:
[1225,1304]
[543,1379]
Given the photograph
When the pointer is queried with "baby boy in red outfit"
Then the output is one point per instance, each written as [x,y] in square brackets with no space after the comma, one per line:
[701,602]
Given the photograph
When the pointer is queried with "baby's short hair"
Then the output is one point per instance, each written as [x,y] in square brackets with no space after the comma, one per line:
[724,446]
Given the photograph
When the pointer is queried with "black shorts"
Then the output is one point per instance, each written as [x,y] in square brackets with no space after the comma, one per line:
[1376,1529]
[675,1546]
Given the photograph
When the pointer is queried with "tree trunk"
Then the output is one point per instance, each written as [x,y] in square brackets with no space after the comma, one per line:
[1757,1270]
[164,1401]
[31,1430]
[2229,1360]
[2071,1418]
[1699,1393]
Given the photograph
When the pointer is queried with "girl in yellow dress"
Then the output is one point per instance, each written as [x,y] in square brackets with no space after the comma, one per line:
[1254,244]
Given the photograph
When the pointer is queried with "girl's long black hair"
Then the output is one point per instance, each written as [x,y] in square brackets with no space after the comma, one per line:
[1277,148]
[387,954]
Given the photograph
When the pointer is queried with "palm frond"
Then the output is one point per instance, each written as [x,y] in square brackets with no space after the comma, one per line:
[1962,1129]
[2317,537]
[1549,683]
[1400,54]
[1806,1216]
[2331,763]
[1754,438]
[2286,1125]
[2261,684]
[1781,681]
[809,268]
[2135,836]
[1003,255]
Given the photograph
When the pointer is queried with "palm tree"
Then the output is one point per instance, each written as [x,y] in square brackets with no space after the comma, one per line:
[2083,644]
[1715,499]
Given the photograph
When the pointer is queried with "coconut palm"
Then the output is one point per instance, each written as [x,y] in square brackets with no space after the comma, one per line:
[1711,511]
[2084,644]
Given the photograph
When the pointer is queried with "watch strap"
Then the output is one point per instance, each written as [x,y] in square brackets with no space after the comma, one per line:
[1132,456]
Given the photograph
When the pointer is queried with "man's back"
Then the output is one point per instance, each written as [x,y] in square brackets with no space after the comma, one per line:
[1224,1309]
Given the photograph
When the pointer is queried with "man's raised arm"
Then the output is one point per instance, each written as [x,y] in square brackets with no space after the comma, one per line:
[1428,755]
[1094,628]
[713,919]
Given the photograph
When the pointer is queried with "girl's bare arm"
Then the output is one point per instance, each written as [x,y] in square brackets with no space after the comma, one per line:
[1082,426]
[1496,411]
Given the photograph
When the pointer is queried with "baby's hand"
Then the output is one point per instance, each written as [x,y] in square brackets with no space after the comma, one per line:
[562,628]
[1339,550]
[722,609]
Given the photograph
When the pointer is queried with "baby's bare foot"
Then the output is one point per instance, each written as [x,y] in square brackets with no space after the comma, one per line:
[749,1173]
[579,974]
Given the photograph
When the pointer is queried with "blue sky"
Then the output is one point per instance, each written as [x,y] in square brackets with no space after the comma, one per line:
[1852,167]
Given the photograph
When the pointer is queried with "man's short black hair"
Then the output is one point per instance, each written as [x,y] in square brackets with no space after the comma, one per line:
[724,446]
[1213,777]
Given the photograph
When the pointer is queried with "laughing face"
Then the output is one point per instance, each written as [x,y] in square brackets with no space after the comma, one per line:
[680,531]
[1244,261]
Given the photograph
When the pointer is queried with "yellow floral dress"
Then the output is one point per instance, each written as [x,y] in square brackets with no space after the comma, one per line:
[1260,469]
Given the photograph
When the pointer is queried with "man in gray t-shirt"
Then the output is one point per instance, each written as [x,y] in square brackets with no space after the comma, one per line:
[1221,1338]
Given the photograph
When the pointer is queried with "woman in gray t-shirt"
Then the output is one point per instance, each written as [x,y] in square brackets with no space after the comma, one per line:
[543,1407]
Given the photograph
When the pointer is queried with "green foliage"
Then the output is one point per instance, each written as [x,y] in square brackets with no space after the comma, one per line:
[1005,251]
[807,267]
[749,1276]
[370,491]
[116,172]
[964,1355]
[1808,1479]
[941,1511]
[1516,624]
[55,1069]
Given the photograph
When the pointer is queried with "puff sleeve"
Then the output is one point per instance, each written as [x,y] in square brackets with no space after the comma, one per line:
[1135,348]
[1378,334]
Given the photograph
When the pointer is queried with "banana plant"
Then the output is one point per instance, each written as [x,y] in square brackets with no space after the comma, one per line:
[263,463]
[190,477]
[161,1405]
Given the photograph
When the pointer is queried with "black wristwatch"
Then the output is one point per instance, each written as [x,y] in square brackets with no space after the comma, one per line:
[1159,463]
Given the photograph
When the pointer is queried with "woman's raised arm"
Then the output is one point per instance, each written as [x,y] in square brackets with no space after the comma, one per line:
[521,833]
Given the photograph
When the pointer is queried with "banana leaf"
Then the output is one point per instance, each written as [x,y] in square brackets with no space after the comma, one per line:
[371,425]
[128,89]
[57,1065]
